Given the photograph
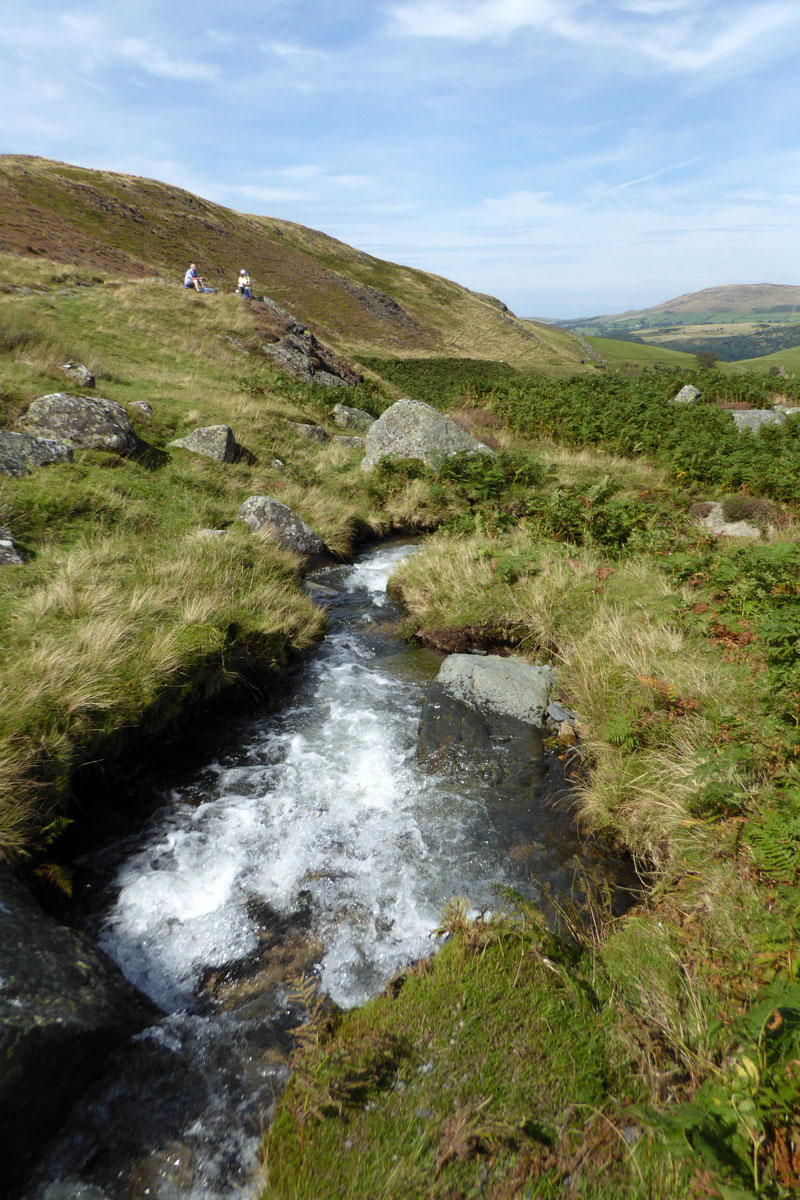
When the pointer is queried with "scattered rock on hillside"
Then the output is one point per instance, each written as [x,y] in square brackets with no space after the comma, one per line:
[276,521]
[312,433]
[81,421]
[756,418]
[711,515]
[204,535]
[213,441]
[81,374]
[354,443]
[9,554]
[486,710]
[64,1006]
[293,345]
[20,453]
[687,395]
[352,418]
[143,407]
[411,429]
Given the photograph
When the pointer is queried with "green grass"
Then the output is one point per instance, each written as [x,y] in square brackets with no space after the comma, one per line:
[620,354]
[484,1068]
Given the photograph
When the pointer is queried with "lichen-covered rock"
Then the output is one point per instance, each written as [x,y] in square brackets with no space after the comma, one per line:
[20,453]
[275,520]
[212,441]
[9,554]
[312,433]
[81,374]
[352,418]
[81,421]
[485,707]
[353,443]
[687,395]
[755,419]
[411,429]
[64,1006]
[143,407]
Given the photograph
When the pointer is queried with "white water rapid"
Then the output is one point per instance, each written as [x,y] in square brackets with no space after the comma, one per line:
[317,828]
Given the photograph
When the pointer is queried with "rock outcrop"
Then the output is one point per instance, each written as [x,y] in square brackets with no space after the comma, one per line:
[293,345]
[64,1006]
[81,374]
[212,441]
[352,418]
[81,421]
[411,429]
[486,711]
[274,520]
[20,453]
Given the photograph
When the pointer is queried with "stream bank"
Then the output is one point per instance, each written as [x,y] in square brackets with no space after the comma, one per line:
[311,843]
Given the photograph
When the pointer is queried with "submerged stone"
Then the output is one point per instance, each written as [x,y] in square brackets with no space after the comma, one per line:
[63,1007]
[485,707]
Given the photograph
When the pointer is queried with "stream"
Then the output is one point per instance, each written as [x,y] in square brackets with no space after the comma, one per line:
[311,843]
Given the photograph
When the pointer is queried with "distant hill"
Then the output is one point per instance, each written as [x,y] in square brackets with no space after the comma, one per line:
[737,322]
[137,227]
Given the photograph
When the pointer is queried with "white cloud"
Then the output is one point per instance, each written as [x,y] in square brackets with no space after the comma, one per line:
[154,60]
[688,38]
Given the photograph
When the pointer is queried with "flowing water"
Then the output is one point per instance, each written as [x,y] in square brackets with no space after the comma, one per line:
[314,844]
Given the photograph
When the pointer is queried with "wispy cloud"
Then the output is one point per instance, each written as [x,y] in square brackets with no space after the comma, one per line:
[656,174]
[690,39]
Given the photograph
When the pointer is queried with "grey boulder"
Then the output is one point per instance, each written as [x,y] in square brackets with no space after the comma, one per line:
[687,395]
[64,1006]
[81,421]
[352,443]
[143,407]
[352,418]
[486,710]
[312,433]
[411,429]
[81,374]
[276,521]
[212,441]
[756,418]
[20,453]
[9,554]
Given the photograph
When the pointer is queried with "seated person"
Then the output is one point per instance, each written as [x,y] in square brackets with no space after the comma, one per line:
[192,279]
[243,285]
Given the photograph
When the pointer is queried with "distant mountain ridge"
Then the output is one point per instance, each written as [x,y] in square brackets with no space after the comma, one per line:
[735,321]
[138,227]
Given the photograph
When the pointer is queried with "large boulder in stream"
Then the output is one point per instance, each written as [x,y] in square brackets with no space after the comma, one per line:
[64,1006]
[486,711]
[411,429]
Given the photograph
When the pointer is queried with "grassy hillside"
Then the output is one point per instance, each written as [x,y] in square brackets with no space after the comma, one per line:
[138,227]
[619,353]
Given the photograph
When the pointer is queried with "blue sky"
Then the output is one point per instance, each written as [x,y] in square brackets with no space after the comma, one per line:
[569,156]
